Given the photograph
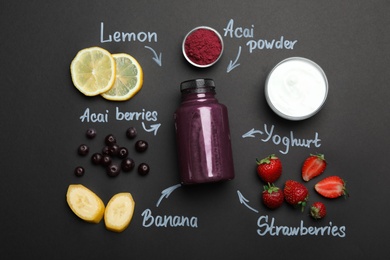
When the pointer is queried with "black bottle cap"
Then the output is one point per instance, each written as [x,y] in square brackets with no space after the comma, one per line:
[197,86]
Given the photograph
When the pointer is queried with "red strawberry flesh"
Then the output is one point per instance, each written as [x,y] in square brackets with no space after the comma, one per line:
[313,166]
[331,187]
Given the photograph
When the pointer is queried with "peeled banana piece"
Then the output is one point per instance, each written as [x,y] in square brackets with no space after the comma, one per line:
[119,212]
[85,203]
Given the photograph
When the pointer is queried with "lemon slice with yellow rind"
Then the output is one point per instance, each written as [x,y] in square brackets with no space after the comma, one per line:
[129,78]
[85,203]
[93,71]
[119,212]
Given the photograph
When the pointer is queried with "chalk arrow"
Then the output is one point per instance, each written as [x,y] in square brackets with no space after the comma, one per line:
[153,128]
[233,65]
[165,193]
[244,201]
[156,58]
[251,133]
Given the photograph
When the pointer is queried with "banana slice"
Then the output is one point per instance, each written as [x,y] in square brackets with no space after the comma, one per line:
[85,203]
[119,212]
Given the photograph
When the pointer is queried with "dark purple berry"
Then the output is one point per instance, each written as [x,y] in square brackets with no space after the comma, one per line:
[106,150]
[127,164]
[114,149]
[106,160]
[79,171]
[83,150]
[143,168]
[96,158]
[122,152]
[110,150]
[131,133]
[91,133]
[113,170]
[141,146]
[110,140]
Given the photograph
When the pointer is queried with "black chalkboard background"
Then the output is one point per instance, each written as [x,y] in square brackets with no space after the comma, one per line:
[41,129]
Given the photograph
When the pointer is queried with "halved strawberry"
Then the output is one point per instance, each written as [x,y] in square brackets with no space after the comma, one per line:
[313,166]
[331,187]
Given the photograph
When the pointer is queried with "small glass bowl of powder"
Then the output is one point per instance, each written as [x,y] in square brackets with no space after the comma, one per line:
[202,46]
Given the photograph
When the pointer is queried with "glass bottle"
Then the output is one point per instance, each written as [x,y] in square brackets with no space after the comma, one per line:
[202,134]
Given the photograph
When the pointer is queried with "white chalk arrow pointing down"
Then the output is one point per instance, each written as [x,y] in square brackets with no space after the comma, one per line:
[156,58]
[233,65]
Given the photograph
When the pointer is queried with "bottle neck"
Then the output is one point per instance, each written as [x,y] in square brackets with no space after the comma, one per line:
[197,90]
[193,96]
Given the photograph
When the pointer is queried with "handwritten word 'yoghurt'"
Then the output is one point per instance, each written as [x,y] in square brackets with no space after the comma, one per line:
[286,141]
[127,36]
[260,44]
[167,221]
[103,117]
[264,228]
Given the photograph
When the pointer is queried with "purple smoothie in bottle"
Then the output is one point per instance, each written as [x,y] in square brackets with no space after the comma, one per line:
[202,134]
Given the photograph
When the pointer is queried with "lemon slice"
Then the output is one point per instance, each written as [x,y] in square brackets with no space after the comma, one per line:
[93,71]
[119,212]
[85,203]
[129,78]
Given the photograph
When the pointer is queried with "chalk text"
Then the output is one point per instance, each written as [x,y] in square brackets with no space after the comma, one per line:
[89,116]
[127,36]
[238,32]
[270,228]
[167,221]
[291,140]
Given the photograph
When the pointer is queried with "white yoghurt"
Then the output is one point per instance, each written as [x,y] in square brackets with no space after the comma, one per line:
[296,88]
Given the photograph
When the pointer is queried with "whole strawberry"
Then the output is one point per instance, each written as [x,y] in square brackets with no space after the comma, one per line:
[296,194]
[269,169]
[318,210]
[313,166]
[272,196]
[331,187]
